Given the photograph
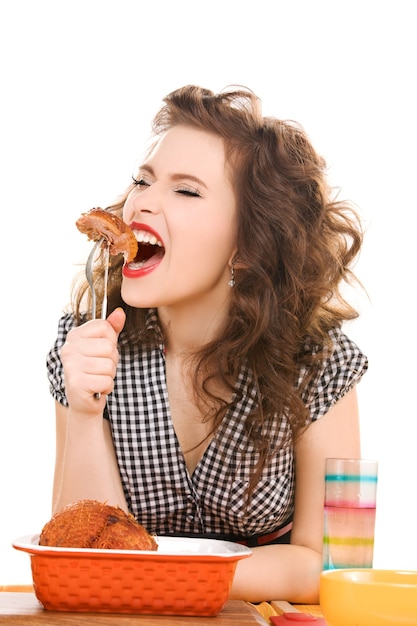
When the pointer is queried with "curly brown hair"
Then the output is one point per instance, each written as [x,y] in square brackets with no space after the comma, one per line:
[296,246]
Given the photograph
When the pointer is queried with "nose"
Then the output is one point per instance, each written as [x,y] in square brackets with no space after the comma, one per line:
[141,201]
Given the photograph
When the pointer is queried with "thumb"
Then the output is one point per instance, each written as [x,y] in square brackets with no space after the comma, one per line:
[117,319]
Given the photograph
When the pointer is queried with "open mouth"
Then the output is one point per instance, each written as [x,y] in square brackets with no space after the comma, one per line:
[150,250]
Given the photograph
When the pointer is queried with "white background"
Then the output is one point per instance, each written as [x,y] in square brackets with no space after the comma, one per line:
[80,81]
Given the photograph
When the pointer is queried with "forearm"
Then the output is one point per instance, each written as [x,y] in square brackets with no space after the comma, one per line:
[87,468]
[278,572]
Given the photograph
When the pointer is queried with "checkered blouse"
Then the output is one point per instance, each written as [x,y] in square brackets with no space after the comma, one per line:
[160,492]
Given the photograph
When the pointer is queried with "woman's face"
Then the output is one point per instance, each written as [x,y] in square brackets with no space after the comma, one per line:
[183,212]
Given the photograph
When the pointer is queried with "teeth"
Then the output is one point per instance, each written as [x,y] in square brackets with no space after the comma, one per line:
[143,236]
[136,266]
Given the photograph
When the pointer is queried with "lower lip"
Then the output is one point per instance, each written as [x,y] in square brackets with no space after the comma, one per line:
[128,272]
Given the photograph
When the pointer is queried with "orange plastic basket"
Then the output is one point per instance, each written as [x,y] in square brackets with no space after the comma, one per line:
[185,576]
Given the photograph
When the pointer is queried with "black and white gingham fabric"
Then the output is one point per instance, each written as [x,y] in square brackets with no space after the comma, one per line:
[159,490]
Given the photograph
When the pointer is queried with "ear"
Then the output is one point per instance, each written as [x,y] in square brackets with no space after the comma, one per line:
[236,262]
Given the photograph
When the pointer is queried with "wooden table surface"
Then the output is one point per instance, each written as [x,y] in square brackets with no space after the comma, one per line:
[24,608]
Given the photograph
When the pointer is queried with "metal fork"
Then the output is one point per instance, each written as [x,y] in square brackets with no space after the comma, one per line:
[89,273]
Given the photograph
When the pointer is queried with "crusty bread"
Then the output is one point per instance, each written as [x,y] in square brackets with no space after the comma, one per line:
[92,524]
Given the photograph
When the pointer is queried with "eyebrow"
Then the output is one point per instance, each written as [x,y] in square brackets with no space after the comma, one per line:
[176,176]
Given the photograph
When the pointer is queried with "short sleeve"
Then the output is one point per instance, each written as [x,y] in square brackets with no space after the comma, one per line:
[54,366]
[340,372]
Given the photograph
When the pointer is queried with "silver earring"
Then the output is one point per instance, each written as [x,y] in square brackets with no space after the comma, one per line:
[231,282]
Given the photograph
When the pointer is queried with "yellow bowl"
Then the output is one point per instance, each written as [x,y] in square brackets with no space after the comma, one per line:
[368,597]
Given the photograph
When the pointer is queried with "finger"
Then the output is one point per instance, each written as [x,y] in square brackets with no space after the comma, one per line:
[117,319]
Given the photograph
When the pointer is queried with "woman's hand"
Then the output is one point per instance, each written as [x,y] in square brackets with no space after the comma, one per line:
[90,358]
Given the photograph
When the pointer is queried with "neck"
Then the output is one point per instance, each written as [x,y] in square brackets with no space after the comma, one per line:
[187,329]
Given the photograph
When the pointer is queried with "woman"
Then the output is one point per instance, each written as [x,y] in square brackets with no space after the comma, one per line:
[224,377]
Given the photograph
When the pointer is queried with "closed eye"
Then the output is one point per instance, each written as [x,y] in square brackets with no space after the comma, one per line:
[188,192]
[140,182]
